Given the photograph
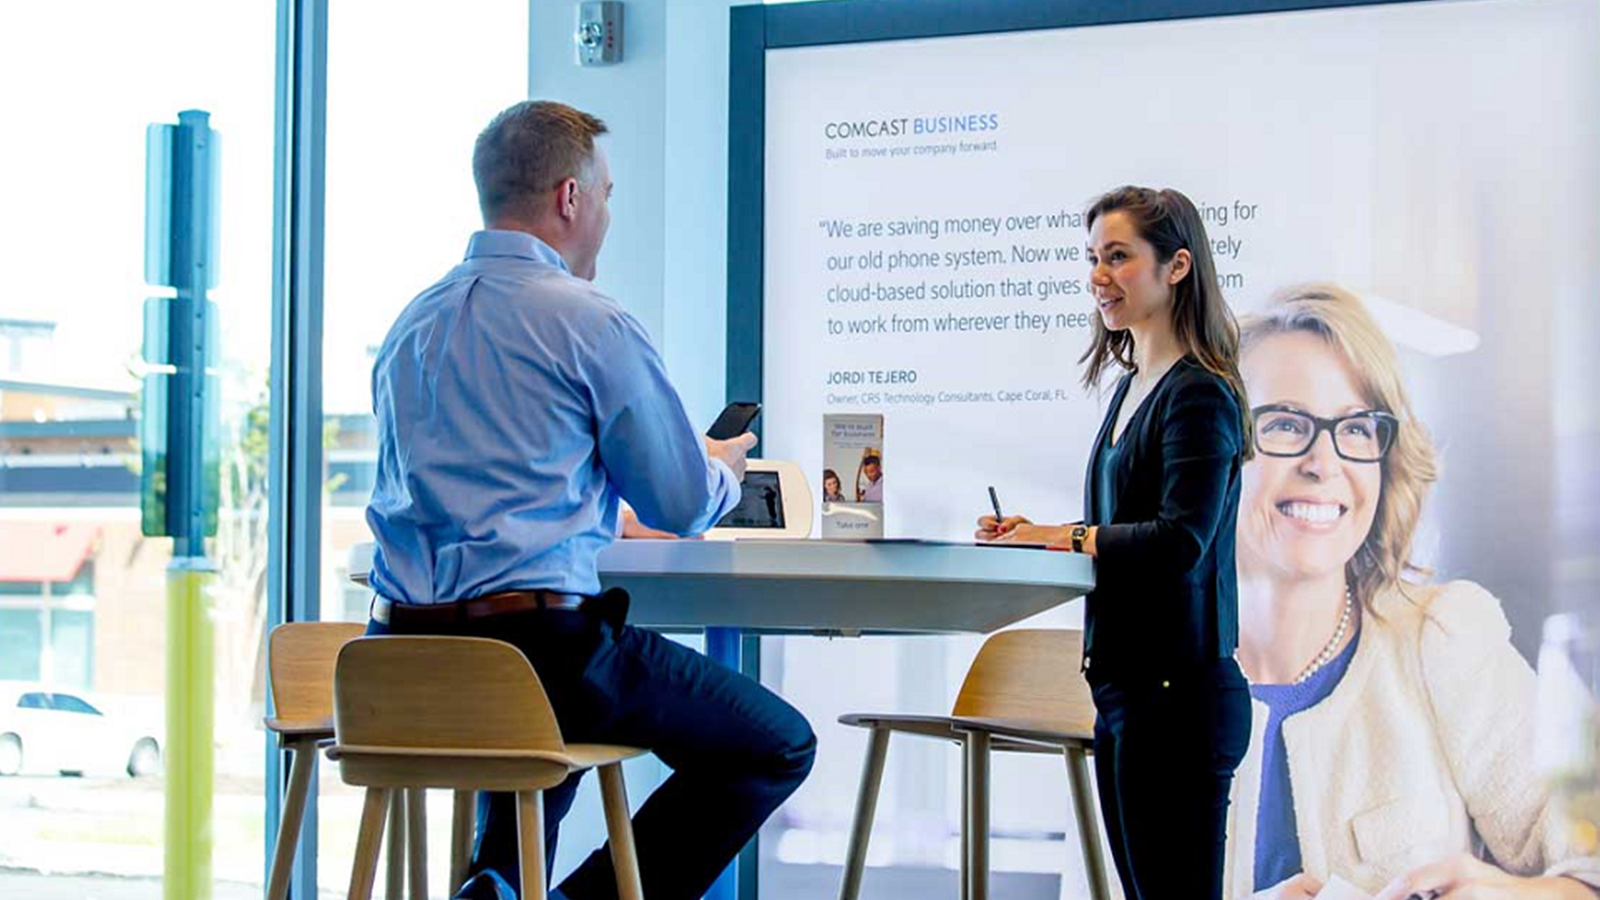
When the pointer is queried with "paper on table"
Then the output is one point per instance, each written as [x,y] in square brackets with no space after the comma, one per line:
[1339,889]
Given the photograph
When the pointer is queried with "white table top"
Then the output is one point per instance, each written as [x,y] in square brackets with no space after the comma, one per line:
[832,587]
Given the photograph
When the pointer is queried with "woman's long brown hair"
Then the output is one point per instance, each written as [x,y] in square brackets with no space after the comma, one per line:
[1201,320]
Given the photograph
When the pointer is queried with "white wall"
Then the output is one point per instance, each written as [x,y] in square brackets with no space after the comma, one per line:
[667,106]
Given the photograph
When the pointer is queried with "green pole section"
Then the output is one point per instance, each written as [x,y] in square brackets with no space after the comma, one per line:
[191,666]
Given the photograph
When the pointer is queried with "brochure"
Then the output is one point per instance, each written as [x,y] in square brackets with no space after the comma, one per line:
[852,476]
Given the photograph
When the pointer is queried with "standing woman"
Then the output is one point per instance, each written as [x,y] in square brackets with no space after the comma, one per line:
[1160,504]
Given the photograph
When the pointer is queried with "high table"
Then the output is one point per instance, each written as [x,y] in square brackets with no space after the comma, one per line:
[728,589]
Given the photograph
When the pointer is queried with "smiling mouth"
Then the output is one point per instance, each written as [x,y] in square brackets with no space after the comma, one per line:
[1108,302]
[1313,513]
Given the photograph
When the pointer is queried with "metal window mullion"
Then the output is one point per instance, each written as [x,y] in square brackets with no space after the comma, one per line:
[295,465]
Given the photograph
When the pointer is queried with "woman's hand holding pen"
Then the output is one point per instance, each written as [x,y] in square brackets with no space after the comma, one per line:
[1019,530]
[993,529]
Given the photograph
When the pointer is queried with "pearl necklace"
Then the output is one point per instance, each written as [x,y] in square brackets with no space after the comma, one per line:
[1331,649]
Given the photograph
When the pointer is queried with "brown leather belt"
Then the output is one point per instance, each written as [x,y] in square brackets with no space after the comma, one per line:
[418,615]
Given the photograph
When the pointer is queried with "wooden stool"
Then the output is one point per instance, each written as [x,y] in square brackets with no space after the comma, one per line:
[1023,694]
[300,657]
[468,714]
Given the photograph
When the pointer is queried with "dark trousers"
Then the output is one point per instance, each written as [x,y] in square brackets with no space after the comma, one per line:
[1164,756]
[737,750]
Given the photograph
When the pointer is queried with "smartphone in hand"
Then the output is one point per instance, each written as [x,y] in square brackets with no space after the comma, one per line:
[734,421]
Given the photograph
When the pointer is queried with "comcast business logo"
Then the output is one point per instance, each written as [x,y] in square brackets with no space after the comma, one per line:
[911,126]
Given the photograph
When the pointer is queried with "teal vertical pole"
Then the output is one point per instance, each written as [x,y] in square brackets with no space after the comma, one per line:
[180,253]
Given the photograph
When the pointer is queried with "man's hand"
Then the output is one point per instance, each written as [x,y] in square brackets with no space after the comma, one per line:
[633,529]
[732,451]
[1295,887]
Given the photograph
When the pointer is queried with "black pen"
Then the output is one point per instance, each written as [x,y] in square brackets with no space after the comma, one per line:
[994,499]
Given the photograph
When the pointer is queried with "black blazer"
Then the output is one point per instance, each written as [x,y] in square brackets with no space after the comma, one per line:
[1166,594]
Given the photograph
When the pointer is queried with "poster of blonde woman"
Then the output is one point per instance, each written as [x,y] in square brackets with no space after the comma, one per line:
[1394,734]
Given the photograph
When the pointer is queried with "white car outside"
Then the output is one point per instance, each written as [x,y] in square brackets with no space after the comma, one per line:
[49,731]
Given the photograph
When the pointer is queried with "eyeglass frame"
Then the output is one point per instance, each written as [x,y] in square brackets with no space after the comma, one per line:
[1319,425]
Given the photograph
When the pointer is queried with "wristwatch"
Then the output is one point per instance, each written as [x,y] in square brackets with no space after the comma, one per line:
[1078,533]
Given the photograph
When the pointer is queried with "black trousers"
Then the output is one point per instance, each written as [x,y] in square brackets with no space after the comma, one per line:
[737,750]
[1165,749]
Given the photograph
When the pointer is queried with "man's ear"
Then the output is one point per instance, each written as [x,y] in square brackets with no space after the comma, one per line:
[567,198]
[1182,262]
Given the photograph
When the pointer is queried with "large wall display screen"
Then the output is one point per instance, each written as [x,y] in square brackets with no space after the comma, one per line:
[1403,204]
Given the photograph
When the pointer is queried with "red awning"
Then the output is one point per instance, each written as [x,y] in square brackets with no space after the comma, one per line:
[44,551]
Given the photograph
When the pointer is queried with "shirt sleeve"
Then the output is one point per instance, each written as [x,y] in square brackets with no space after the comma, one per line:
[652,455]
[1200,438]
[1482,692]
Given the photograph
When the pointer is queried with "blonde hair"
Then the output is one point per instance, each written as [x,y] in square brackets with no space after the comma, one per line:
[1411,467]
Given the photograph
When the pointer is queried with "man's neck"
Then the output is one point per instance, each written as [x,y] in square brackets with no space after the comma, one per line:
[541,230]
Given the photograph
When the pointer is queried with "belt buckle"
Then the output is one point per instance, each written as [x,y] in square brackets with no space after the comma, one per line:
[378,609]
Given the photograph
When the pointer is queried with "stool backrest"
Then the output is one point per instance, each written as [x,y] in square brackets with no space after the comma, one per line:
[440,693]
[300,658]
[1030,675]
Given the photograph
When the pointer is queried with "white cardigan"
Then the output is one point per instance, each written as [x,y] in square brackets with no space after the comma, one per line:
[1424,749]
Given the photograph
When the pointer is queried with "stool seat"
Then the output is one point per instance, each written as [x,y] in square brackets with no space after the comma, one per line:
[1023,694]
[467,714]
[312,728]
[300,661]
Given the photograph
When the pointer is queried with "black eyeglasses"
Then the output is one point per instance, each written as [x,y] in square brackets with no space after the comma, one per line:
[1364,436]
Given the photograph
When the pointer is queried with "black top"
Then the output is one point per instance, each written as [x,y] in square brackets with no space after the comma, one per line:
[1166,595]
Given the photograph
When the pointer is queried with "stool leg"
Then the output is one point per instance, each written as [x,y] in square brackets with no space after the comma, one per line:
[619,829]
[294,811]
[417,841]
[966,836]
[394,882]
[365,870]
[977,824]
[1088,822]
[866,808]
[462,824]
[530,844]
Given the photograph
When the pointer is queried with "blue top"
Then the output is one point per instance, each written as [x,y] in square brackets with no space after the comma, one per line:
[1105,474]
[1277,836]
[515,405]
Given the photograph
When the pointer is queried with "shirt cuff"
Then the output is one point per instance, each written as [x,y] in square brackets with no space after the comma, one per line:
[733,494]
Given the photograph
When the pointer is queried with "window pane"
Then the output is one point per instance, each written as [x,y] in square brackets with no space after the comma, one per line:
[83,596]
[400,207]
[20,645]
[72,647]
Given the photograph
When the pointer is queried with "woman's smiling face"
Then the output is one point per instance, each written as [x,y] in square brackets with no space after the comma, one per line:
[1304,516]
[1130,283]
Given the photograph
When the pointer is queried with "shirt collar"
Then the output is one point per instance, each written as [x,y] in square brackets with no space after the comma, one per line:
[518,244]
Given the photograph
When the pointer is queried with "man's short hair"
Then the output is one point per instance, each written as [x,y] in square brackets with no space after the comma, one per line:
[527,151]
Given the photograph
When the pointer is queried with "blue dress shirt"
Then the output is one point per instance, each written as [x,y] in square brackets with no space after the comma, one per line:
[516,404]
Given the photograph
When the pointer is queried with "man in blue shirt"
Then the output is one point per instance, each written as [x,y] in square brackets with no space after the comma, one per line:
[516,406]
